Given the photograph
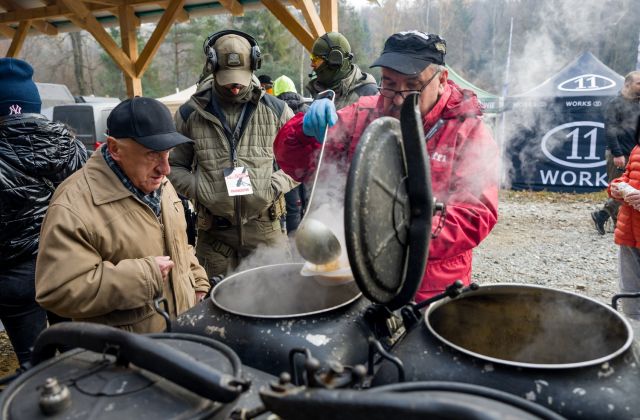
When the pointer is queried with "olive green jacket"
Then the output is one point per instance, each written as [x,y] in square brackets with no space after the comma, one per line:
[197,169]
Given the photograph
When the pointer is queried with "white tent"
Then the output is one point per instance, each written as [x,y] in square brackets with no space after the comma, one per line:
[175,100]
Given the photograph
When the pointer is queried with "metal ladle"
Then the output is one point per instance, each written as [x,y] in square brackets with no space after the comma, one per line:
[317,243]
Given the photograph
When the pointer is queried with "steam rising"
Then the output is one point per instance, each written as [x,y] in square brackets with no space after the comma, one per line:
[564,29]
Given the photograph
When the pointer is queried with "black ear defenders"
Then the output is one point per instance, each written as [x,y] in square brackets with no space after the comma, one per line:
[335,57]
[212,57]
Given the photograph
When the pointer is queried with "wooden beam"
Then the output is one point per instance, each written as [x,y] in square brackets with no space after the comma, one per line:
[233,6]
[58,10]
[182,15]
[311,16]
[128,35]
[7,30]
[329,15]
[108,2]
[163,27]
[44,27]
[290,22]
[85,20]
[18,38]
[8,5]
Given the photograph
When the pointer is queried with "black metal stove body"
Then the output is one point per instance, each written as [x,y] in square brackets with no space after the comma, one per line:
[114,374]
[334,391]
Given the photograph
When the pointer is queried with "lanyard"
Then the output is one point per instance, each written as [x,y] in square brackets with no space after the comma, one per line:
[234,137]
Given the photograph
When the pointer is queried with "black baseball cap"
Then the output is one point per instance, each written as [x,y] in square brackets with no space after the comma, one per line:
[147,121]
[410,52]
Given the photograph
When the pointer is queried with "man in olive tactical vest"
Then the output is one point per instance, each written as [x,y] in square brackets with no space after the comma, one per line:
[331,60]
[229,169]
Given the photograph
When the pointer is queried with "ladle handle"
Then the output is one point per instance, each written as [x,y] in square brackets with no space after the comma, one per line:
[331,95]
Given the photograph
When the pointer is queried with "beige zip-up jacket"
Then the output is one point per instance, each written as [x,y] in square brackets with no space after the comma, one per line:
[97,247]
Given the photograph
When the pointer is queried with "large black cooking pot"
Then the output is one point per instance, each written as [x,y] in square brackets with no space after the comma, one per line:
[264,313]
[564,351]
[110,373]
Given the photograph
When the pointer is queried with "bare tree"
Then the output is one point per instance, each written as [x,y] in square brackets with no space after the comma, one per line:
[78,61]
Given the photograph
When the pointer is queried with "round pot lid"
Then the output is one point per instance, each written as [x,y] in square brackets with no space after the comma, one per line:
[388,208]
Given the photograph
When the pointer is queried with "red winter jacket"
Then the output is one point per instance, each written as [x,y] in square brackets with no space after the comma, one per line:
[464,174]
[627,231]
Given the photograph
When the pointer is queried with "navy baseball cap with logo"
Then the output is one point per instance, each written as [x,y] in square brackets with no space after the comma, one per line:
[147,121]
[410,52]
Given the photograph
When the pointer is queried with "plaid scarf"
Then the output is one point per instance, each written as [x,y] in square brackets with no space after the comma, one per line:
[152,199]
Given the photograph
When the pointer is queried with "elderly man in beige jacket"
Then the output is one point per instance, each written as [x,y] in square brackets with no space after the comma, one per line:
[114,237]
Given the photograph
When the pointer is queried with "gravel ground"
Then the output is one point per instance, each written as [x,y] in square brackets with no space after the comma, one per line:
[549,239]
[541,238]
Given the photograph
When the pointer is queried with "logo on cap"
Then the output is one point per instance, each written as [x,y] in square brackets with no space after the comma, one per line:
[441,47]
[15,109]
[234,60]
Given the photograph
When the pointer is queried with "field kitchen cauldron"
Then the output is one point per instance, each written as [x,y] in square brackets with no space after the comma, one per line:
[564,351]
[265,312]
[110,373]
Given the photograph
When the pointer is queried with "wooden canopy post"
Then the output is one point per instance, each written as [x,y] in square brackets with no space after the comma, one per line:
[18,38]
[329,15]
[128,24]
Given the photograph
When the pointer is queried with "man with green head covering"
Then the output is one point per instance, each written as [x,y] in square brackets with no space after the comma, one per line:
[331,60]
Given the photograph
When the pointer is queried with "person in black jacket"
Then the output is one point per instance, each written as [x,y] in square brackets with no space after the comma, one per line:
[35,156]
[621,118]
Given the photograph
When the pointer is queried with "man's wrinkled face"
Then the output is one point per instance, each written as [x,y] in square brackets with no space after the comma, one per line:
[234,88]
[145,168]
[430,84]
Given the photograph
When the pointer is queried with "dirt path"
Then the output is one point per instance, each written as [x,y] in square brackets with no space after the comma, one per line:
[549,239]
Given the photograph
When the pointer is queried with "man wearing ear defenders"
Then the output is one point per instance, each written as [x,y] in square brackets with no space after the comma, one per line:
[331,60]
[229,169]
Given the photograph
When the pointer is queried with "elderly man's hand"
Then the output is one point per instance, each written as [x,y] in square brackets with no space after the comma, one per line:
[165,265]
[200,296]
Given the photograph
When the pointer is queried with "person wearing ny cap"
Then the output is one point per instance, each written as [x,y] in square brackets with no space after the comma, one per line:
[36,155]
[333,68]
[228,171]
[114,237]
[463,155]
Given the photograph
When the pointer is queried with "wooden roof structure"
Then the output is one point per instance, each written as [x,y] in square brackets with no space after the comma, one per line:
[21,18]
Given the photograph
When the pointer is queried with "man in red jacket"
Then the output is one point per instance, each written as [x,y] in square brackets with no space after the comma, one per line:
[463,155]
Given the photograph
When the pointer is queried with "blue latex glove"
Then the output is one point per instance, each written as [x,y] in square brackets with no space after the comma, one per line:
[321,113]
